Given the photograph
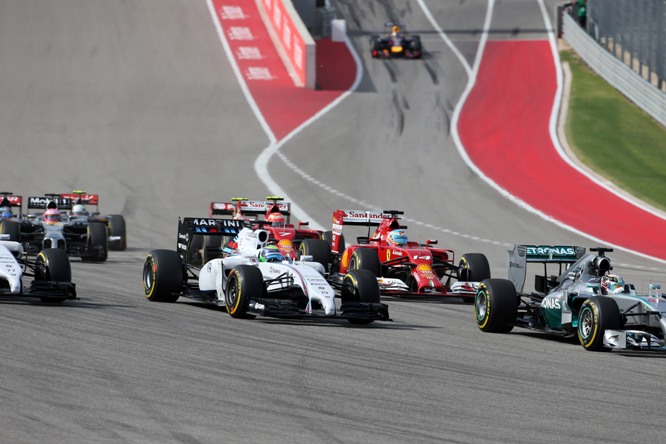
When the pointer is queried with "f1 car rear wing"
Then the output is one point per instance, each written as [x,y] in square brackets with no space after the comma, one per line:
[80,197]
[365,218]
[189,226]
[9,200]
[49,201]
[521,255]
[243,206]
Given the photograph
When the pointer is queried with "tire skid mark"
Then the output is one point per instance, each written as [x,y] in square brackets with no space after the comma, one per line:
[391,69]
[431,71]
[400,114]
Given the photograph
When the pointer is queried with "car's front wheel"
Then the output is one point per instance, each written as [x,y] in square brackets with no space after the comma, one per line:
[53,265]
[596,315]
[245,281]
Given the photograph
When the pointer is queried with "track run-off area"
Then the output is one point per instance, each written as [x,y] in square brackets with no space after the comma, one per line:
[506,128]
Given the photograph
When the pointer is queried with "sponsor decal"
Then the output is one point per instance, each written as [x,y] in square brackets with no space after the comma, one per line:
[259,73]
[240,33]
[286,246]
[345,260]
[547,251]
[249,53]
[232,13]
[362,215]
[551,303]
[205,222]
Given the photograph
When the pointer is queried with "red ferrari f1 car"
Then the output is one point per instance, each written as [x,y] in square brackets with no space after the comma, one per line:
[403,267]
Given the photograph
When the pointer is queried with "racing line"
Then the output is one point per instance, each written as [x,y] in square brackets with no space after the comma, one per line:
[504,126]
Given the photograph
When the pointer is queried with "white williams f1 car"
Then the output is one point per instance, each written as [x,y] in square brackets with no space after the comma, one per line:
[50,269]
[256,279]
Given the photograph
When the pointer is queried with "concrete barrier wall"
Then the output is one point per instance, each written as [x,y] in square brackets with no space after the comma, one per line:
[297,45]
[647,96]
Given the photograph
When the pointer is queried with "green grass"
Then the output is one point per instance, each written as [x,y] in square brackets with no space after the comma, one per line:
[614,137]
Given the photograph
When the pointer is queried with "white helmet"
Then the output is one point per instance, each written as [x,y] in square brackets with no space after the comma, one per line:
[79,210]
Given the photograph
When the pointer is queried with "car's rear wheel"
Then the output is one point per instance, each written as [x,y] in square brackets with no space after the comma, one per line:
[52,265]
[360,286]
[496,306]
[416,47]
[375,45]
[163,276]
[98,243]
[365,259]
[117,230]
[596,315]
[328,237]
[12,228]
[245,281]
[319,249]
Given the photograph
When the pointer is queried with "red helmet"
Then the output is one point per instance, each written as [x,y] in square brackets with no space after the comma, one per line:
[276,219]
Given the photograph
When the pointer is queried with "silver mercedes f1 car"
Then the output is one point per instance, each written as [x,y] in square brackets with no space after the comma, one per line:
[585,300]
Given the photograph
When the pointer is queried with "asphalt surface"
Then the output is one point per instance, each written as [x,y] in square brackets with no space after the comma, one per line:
[136,101]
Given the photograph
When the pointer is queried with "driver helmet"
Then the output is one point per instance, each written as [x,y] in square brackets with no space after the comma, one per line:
[276,220]
[6,213]
[52,216]
[79,210]
[612,284]
[270,253]
[395,29]
[397,238]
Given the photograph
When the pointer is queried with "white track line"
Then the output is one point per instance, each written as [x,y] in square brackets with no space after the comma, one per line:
[261,163]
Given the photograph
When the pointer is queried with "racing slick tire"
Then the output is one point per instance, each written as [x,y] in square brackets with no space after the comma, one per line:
[473,267]
[375,46]
[415,47]
[359,286]
[244,281]
[365,259]
[328,237]
[496,306]
[98,243]
[117,229]
[12,228]
[163,276]
[596,315]
[52,264]
[319,249]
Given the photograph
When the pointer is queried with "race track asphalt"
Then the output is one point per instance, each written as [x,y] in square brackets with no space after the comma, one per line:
[138,102]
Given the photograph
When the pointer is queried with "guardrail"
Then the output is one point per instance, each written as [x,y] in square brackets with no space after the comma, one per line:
[647,96]
[297,45]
